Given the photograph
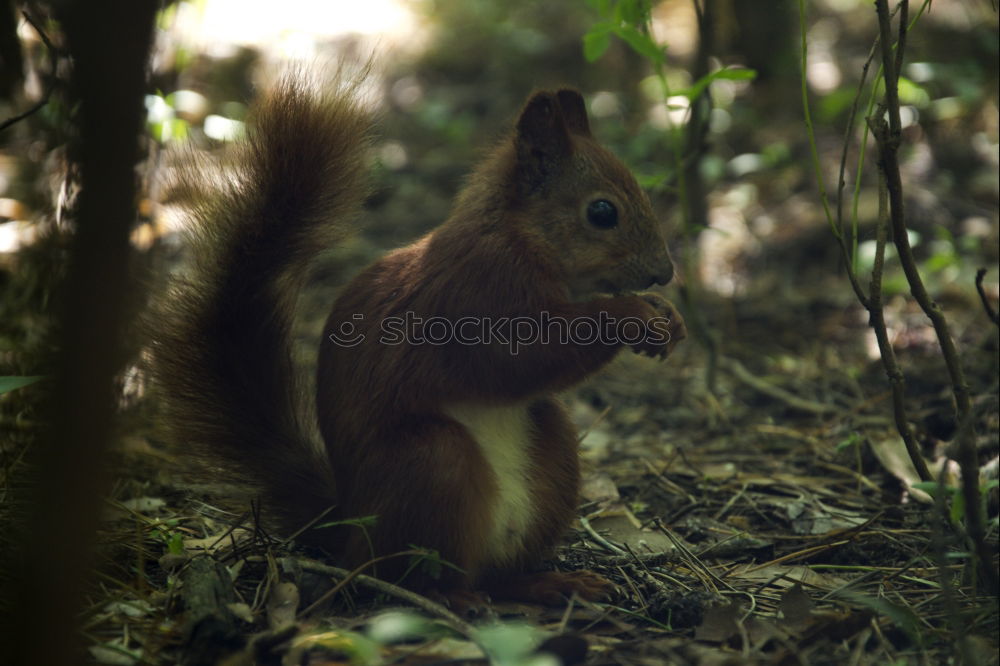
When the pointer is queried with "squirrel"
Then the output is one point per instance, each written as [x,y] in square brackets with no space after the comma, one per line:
[452,440]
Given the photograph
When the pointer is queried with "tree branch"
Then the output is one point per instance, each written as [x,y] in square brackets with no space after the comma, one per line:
[888,136]
[990,312]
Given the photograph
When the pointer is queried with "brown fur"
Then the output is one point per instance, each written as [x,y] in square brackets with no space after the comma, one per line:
[517,244]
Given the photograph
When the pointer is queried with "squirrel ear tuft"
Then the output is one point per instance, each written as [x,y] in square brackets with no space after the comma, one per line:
[542,139]
[574,111]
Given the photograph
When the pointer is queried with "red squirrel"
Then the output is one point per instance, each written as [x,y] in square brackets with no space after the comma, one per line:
[451,438]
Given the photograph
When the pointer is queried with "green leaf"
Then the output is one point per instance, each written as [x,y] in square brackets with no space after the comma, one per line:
[642,44]
[735,74]
[633,12]
[728,74]
[957,508]
[933,487]
[178,129]
[175,543]
[596,42]
[10,383]
[851,440]
[509,643]
[912,93]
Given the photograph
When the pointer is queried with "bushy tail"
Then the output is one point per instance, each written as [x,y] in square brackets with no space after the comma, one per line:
[223,357]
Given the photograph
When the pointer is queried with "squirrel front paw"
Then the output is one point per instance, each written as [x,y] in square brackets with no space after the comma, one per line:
[665,327]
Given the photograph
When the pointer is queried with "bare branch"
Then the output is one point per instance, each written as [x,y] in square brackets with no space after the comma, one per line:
[990,312]
[888,135]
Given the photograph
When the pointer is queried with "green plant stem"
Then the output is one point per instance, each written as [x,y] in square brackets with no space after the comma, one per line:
[807,115]
[814,152]
[694,205]
[841,182]
[873,301]
[683,169]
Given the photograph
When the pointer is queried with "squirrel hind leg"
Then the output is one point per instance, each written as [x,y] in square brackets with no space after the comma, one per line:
[430,488]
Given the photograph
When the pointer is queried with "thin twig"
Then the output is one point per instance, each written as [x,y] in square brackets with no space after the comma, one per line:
[990,312]
[351,575]
[807,117]
[849,259]
[593,424]
[876,319]
[888,139]
[709,578]
[604,543]
[742,374]
[53,63]
[693,199]
[432,607]
[799,554]
[889,147]
[308,526]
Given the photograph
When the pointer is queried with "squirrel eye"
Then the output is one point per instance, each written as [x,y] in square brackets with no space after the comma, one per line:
[602,214]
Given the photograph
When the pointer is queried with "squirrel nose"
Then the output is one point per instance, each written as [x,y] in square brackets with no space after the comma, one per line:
[663,275]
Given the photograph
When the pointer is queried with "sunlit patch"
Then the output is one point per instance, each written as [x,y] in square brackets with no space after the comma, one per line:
[722,246]
[823,74]
[407,92]
[392,155]
[15,235]
[222,129]
[604,104]
[298,30]
[676,24]
[675,112]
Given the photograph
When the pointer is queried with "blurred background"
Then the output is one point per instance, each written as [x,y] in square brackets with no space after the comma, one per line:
[702,100]
[450,76]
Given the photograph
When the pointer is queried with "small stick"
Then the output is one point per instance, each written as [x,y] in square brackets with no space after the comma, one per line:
[607,545]
[740,372]
[432,607]
[990,312]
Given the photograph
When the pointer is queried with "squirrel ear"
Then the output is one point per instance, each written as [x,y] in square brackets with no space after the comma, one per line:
[574,111]
[542,139]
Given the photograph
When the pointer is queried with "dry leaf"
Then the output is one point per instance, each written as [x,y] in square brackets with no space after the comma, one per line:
[720,624]
[796,607]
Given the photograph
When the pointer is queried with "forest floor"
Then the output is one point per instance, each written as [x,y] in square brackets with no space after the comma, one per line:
[769,521]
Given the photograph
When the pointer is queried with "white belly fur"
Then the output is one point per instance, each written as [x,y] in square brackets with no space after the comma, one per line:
[504,435]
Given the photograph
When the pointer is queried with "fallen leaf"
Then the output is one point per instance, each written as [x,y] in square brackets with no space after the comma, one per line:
[892,455]
[720,624]
[796,607]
